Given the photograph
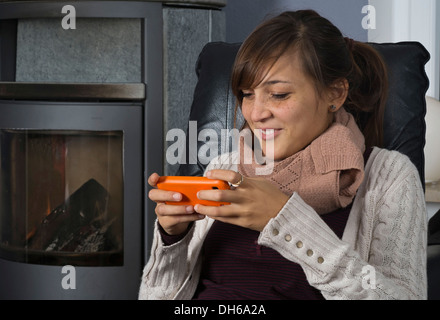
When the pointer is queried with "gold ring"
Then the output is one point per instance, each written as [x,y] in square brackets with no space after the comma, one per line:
[237,184]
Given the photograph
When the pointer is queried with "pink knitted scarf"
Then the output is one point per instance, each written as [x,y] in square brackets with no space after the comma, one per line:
[327,173]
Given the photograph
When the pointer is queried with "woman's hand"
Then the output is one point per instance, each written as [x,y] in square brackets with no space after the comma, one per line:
[253,203]
[174,219]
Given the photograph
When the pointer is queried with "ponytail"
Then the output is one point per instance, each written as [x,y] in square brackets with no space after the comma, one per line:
[367,95]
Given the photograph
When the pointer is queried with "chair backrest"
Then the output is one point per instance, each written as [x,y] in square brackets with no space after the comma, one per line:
[404,124]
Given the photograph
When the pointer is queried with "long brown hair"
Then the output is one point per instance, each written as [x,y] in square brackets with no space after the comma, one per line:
[326,57]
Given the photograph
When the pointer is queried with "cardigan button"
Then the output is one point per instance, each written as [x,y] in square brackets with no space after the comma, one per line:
[320,260]
[288,237]
[275,232]
[310,252]
[299,244]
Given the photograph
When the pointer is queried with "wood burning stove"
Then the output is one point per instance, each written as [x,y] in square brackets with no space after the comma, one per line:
[71,194]
[72,163]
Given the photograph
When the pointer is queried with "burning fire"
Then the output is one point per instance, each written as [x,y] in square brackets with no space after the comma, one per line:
[48,210]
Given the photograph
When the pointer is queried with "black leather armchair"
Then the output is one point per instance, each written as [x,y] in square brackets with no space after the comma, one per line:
[404,125]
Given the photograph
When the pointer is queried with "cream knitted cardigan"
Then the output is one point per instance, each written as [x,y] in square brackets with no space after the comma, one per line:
[382,254]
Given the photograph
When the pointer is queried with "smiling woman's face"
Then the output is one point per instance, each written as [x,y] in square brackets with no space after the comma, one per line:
[286,101]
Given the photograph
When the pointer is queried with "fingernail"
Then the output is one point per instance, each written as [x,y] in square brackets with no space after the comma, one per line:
[189,209]
[176,196]
[201,216]
[208,174]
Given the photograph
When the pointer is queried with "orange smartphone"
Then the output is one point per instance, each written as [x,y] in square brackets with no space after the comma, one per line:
[189,186]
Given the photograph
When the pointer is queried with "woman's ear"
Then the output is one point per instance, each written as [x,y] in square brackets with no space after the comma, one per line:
[337,94]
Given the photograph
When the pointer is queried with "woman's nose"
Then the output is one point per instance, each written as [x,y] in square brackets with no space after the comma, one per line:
[260,109]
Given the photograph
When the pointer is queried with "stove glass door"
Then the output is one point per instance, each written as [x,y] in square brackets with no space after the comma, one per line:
[61,197]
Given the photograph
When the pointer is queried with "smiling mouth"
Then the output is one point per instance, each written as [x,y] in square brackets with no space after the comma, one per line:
[267,134]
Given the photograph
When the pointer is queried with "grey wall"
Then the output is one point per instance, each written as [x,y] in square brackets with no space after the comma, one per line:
[242,16]
[48,53]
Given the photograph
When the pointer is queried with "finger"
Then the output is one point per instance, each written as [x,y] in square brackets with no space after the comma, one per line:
[152,179]
[174,220]
[217,212]
[223,213]
[157,195]
[226,175]
[230,214]
[163,210]
[218,195]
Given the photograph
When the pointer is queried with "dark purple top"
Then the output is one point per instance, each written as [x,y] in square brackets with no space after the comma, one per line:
[236,267]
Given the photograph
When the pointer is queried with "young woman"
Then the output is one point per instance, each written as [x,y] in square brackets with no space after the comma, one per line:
[337,217]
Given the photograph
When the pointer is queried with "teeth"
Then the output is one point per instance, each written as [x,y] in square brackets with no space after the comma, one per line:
[266,132]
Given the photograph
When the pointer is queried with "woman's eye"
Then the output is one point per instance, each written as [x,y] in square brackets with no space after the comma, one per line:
[246,94]
[280,96]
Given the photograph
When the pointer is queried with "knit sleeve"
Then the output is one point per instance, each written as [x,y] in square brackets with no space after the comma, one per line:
[166,270]
[387,259]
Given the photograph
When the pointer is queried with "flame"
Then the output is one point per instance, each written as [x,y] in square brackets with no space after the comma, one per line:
[31,233]
[48,210]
